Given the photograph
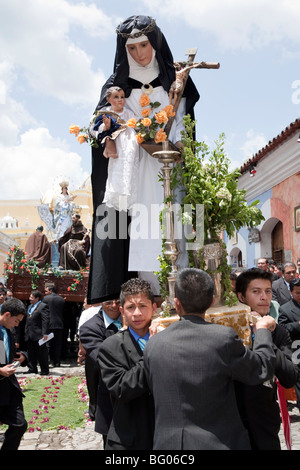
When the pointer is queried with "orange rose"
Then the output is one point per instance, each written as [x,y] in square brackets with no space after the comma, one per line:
[169,110]
[82,138]
[146,112]
[161,117]
[161,136]
[131,123]
[74,130]
[144,101]
[146,122]
[139,139]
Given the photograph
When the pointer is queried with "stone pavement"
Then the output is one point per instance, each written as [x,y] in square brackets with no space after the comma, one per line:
[72,439]
[295,427]
[87,439]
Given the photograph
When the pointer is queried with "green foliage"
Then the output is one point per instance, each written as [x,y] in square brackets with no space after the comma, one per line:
[17,263]
[207,179]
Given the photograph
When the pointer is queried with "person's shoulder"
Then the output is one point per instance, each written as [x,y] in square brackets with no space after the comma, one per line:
[287,307]
[277,283]
[193,324]
[115,340]
[43,306]
[93,323]
[51,297]
[56,296]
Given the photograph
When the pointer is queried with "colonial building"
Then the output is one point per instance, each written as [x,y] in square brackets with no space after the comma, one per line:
[271,176]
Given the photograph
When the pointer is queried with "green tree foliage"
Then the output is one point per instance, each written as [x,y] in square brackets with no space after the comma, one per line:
[207,179]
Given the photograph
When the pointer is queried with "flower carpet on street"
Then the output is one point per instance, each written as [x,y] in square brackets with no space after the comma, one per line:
[54,402]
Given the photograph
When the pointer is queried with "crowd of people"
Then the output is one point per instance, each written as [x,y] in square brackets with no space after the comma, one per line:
[172,389]
[195,377]
[37,333]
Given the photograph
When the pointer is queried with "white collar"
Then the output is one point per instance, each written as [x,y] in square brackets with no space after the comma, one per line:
[107,320]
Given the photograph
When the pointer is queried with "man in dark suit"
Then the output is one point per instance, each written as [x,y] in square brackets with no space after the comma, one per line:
[36,328]
[258,404]
[289,317]
[11,407]
[2,296]
[281,287]
[56,325]
[191,367]
[105,323]
[266,265]
[122,370]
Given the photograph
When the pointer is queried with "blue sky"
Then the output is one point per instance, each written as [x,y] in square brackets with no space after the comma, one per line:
[55,56]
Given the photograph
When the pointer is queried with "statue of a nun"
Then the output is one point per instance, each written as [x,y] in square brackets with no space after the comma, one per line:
[143,65]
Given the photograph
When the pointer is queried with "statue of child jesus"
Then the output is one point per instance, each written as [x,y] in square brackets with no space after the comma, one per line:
[121,147]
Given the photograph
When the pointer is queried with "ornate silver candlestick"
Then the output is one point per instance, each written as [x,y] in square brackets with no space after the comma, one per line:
[168,158]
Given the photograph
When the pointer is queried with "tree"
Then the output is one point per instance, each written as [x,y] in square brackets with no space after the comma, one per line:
[206,179]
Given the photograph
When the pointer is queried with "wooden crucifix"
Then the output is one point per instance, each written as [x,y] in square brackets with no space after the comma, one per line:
[182,73]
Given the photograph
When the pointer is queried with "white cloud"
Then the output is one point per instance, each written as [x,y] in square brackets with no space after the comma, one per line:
[253,143]
[35,163]
[36,36]
[237,24]
[6,79]
[13,116]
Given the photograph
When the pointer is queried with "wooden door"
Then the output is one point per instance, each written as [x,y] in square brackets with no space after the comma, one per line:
[277,243]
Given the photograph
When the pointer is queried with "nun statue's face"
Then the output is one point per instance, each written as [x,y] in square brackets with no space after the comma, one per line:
[141,52]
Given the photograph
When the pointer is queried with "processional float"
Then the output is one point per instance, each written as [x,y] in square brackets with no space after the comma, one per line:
[168,156]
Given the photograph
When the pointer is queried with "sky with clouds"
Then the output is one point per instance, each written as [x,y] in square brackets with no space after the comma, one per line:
[55,57]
